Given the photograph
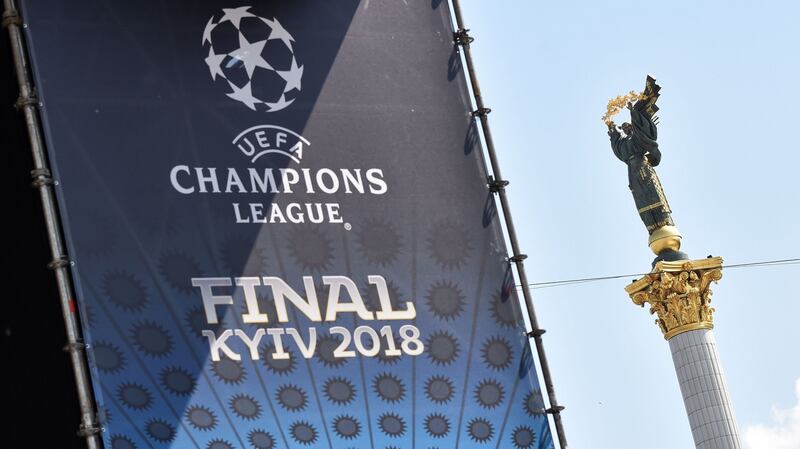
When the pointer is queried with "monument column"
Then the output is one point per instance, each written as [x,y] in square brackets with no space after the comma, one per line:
[677,289]
[679,294]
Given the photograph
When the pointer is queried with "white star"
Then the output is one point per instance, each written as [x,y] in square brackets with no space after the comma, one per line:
[235,15]
[278,105]
[214,63]
[279,32]
[245,95]
[292,76]
[207,32]
[250,55]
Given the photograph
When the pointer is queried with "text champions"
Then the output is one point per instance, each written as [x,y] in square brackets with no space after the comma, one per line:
[212,180]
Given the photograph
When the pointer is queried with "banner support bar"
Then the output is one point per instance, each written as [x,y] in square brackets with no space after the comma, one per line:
[28,103]
[461,37]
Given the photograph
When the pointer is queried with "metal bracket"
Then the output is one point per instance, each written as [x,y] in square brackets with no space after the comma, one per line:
[41,177]
[59,263]
[517,258]
[75,346]
[84,431]
[462,37]
[536,333]
[481,112]
[496,185]
[555,409]
[31,100]
[11,18]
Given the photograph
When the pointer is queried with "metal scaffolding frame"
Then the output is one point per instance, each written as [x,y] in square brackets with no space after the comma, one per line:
[497,185]
[28,103]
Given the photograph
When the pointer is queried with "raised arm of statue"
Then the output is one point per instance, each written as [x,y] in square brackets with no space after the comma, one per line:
[636,145]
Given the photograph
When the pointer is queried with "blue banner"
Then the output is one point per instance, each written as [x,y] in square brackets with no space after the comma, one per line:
[280,225]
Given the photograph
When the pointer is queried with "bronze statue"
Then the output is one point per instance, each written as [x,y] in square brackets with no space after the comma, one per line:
[637,146]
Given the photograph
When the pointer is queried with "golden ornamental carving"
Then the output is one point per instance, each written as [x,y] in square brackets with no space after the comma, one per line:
[679,294]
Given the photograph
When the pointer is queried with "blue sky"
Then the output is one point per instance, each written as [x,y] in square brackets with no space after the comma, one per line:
[729,73]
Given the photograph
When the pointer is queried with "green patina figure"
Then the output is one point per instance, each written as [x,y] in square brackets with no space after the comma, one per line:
[636,145]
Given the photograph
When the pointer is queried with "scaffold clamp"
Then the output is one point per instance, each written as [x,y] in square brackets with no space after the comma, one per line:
[496,185]
[41,177]
[61,262]
[31,100]
[517,258]
[86,431]
[481,112]
[536,333]
[11,17]
[462,37]
[74,346]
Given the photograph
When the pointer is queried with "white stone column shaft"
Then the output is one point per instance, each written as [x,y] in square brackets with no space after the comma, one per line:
[704,390]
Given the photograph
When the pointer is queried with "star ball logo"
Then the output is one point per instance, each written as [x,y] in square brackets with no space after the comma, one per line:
[254,58]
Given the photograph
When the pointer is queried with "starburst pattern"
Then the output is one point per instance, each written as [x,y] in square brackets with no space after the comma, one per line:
[219,444]
[201,418]
[245,406]
[523,437]
[445,300]
[311,248]
[489,393]
[125,291]
[261,439]
[389,387]
[177,381]
[339,390]
[292,398]
[280,367]
[505,311]
[449,244]
[177,268]
[392,424]
[304,433]
[122,442]
[347,427]
[326,344]
[151,338]
[108,358]
[439,389]
[160,430]
[229,371]
[437,425]
[497,353]
[534,404]
[134,396]
[379,242]
[480,430]
[443,347]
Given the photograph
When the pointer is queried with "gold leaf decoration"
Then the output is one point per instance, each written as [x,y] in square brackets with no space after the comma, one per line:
[617,103]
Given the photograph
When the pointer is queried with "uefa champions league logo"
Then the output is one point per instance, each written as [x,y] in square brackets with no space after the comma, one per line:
[254,58]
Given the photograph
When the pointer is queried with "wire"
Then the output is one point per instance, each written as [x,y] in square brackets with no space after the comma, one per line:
[560,283]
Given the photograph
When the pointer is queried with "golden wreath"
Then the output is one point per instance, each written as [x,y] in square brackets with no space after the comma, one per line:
[616,104]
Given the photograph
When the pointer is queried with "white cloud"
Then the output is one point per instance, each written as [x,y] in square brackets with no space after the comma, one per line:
[783,434]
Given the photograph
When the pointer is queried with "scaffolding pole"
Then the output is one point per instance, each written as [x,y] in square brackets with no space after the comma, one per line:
[497,185]
[43,182]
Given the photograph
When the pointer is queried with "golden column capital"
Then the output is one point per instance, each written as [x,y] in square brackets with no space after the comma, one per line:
[679,294]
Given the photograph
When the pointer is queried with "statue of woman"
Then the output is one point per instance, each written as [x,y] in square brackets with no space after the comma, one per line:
[639,150]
